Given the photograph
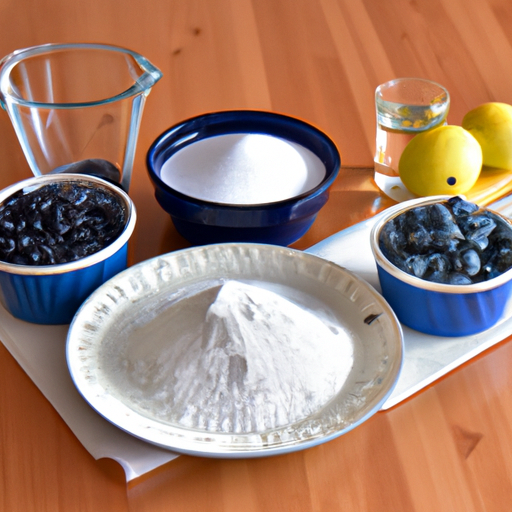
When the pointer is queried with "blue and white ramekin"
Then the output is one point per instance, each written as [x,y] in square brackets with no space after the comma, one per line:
[435,308]
[51,294]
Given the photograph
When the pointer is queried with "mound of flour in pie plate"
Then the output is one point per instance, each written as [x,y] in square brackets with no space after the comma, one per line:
[259,362]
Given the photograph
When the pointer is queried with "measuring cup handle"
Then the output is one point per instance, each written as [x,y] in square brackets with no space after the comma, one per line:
[3,62]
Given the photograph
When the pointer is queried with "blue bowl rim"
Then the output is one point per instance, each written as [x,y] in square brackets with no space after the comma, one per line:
[417,282]
[87,261]
[181,127]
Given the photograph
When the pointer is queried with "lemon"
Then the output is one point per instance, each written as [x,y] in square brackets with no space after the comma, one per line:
[491,125]
[445,160]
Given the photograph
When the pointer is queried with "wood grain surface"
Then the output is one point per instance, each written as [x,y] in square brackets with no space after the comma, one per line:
[448,449]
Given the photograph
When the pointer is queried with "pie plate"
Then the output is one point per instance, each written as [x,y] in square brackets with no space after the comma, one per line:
[143,307]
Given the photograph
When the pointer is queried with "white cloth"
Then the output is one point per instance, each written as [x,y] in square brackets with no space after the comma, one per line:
[41,352]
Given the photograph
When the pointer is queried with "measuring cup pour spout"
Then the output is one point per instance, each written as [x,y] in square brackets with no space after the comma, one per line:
[77,107]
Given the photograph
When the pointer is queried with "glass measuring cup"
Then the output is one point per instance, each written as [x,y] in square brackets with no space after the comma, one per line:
[77,107]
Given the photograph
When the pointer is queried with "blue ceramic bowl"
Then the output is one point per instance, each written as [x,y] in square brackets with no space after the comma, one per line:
[204,222]
[51,294]
[434,308]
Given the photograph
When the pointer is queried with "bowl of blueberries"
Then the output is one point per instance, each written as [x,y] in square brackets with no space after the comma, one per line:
[61,236]
[444,265]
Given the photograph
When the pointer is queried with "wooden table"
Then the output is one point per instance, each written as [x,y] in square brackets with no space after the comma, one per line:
[447,449]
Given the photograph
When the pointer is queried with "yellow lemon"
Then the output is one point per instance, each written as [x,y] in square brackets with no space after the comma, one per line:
[491,125]
[445,160]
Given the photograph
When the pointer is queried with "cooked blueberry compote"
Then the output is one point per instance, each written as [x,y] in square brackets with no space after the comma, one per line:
[450,242]
[59,223]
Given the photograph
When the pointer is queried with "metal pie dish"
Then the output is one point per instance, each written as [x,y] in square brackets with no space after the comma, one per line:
[436,308]
[132,304]
[51,294]
[208,221]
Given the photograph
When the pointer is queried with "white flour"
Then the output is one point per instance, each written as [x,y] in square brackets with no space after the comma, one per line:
[260,362]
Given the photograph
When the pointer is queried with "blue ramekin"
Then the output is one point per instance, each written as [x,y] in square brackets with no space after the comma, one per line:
[51,294]
[203,222]
[434,308]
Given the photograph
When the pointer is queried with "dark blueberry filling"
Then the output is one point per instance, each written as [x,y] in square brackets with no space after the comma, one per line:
[451,242]
[59,223]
